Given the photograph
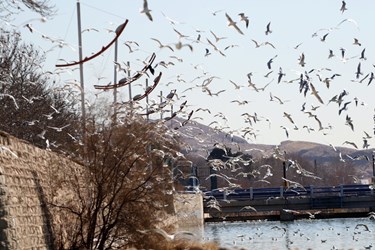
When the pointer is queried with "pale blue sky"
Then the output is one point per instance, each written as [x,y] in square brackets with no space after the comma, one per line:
[292,22]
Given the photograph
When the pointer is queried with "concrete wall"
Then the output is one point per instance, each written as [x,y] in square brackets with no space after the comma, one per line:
[189,210]
[25,186]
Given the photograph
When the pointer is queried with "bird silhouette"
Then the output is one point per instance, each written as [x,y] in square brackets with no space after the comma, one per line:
[343,6]
[145,10]
[268,29]
[245,19]
[270,62]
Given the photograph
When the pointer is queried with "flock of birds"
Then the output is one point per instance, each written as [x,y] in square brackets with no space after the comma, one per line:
[251,121]
[307,83]
[188,94]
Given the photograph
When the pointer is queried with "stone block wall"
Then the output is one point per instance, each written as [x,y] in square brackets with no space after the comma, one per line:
[25,182]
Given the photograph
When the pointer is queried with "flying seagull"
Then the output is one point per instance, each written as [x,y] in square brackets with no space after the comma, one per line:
[358,73]
[244,18]
[171,21]
[257,44]
[356,42]
[180,35]
[207,52]
[350,143]
[286,131]
[289,116]
[59,129]
[315,93]
[344,107]
[323,39]
[342,53]
[171,94]
[216,11]
[349,122]
[331,54]
[215,48]
[362,225]
[161,45]
[248,208]
[268,30]
[363,54]
[371,78]
[270,61]
[343,6]
[348,20]
[302,60]
[146,10]
[217,38]
[168,237]
[280,75]
[11,97]
[232,23]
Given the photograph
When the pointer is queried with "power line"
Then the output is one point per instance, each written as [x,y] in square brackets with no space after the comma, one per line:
[104,11]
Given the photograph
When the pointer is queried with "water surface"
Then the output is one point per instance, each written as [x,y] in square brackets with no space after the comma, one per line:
[342,233]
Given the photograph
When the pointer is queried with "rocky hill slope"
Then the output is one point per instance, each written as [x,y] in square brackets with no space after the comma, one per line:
[200,139]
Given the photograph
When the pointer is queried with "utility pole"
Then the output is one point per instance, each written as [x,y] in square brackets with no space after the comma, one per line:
[284,171]
[83,109]
[284,175]
[130,91]
[147,101]
[161,101]
[171,122]
[115,88]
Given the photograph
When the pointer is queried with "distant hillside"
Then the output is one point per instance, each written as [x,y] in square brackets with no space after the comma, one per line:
[200,139]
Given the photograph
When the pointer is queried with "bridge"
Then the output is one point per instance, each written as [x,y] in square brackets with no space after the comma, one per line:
[289,203]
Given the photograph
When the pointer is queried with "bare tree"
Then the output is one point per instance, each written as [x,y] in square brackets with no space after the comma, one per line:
[31,109]
[9,8]
[125,185]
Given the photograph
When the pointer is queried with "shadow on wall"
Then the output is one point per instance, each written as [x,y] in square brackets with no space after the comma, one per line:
[47,217]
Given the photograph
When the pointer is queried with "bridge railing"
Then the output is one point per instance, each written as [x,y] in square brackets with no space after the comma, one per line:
[282,192]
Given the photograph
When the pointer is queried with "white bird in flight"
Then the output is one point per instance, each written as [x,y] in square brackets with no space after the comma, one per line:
[233,24]
[168,237]
[59,129]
